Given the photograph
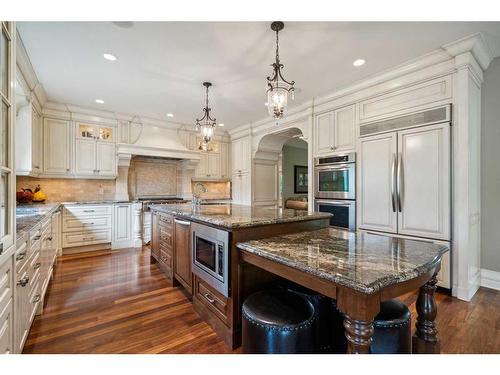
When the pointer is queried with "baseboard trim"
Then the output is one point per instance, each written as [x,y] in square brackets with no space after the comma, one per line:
[490,279]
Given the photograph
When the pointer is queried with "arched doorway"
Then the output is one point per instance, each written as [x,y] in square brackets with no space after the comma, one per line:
[274,176]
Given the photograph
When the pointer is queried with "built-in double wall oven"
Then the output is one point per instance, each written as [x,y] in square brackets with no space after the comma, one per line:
[211,256]
[335,188]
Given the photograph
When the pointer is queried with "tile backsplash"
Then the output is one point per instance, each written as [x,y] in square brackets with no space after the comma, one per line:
[69,190]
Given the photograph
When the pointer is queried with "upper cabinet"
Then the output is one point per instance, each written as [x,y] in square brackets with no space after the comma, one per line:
[240,155]
[94,150]
[56,147]
[214,163]
[335,131]
[28,141]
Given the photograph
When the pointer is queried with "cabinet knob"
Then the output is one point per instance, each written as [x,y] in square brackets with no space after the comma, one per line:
[67,169]
[24,281]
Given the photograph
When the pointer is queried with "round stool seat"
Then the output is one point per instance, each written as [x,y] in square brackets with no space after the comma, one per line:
[277,321]
[392,329]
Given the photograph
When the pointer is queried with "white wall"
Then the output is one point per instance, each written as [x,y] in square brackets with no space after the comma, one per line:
[292,156]
[490,168]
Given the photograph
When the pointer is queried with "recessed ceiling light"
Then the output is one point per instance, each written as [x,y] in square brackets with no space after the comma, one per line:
[221,124]
[110,57]
[100,101]
[358,62]
[170,115]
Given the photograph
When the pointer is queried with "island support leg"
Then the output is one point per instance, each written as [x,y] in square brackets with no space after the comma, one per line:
[359,335]
[425,340]
[360,311]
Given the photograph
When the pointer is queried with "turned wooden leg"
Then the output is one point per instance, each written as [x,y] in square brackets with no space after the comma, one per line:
[359,335]
[425,339]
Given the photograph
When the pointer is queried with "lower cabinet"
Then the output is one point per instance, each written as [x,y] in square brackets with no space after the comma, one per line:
[6,309]
[212,300]
[162,243]
[182,254]
[122,225]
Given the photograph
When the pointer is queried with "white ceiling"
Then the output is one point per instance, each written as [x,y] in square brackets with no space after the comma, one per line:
[161,65]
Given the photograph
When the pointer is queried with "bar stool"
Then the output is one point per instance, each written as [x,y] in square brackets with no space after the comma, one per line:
[277,321]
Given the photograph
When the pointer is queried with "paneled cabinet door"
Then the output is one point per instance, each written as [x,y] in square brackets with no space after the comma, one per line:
[122,223]
[345,129]
[6,328]
[240,155]
[424,181]
[213,169]
[85,157]
[182,255]
[224,160]
[324,133]
[377,184]
[56,150]
[202,167]
[36,142]
[106,160]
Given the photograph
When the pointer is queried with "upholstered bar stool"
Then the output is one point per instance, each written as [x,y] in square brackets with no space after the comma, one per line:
[278,321]
[392,330]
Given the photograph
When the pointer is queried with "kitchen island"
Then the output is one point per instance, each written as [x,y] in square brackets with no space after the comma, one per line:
[195,246]
[359,270]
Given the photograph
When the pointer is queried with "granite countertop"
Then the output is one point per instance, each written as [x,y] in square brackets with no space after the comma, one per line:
[233,216]
[102,201]
[29,215]
[361,261]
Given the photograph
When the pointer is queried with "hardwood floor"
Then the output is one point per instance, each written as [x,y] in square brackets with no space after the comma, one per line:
[117,302]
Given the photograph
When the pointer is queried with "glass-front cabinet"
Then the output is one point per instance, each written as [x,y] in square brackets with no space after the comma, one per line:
[7,55]
[95,153]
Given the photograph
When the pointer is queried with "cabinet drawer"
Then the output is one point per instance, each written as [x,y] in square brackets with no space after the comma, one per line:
[166,257]
[78,224]
[165,220]
[5,284]
[6,328]
[86,238]
[22,255]
[215,301]
[87,210]
[166,238]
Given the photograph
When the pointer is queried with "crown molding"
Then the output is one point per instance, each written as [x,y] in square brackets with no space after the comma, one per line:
[476,45]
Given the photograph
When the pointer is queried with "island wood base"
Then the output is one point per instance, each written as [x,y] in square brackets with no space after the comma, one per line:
[360,309]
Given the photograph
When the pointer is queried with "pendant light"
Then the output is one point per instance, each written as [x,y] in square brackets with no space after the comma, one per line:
[206,125]
[278,88]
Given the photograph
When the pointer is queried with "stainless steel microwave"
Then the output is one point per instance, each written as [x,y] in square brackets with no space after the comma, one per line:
[335,177]
[210,248]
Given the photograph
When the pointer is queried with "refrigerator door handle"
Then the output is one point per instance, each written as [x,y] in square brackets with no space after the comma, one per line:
[400,181]
[393,183]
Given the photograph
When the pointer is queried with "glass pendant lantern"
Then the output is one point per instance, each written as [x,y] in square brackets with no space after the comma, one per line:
[206,125]
[278,88]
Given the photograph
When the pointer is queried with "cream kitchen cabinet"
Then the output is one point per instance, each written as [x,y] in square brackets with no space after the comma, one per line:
[209,165]
[95,154]
[6,308]
[335,131]
[56,147]
[86,225]
[122,225]
[28,141]
[224,160]
[241,189]
[241,155]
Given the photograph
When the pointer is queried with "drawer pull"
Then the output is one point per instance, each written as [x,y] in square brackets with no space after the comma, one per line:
[37,266]
[88,210]
[20,256]
[164,258]
[37,298]
[49,238]
[37,237]
[165,237]
[88,238]
[209,298]
[24,281]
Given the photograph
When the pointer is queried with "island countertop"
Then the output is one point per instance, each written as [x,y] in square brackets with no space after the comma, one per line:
[233,216]
[360,261]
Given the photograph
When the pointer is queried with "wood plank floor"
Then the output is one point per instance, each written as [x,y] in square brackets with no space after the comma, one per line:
[117,302]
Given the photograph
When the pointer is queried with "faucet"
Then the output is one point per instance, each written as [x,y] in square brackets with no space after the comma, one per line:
[198,189]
